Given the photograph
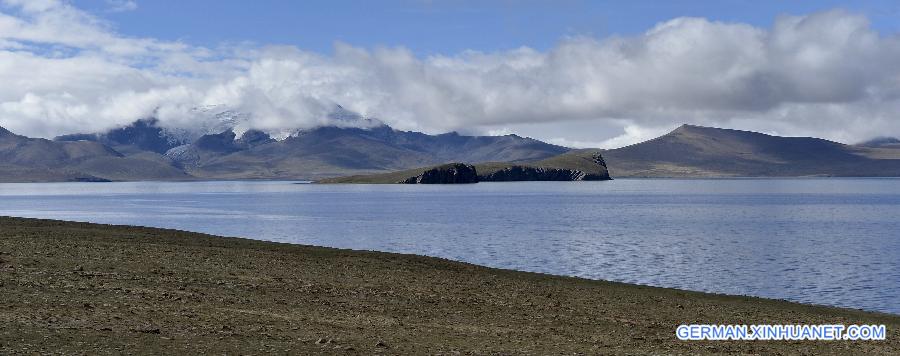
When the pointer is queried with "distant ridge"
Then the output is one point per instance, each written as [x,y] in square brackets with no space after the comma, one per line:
[697,151]
[26,159]
[881,142]
[334,151]
[146,151]
[142,135]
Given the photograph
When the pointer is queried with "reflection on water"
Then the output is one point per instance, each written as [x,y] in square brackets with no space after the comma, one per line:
[824,241]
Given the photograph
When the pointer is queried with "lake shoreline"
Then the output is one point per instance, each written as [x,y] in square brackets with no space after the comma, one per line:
[90,288]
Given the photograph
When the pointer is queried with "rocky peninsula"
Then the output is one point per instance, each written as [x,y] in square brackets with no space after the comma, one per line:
[582,165]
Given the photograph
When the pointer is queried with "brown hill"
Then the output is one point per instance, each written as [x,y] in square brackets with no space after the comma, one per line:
[696,151]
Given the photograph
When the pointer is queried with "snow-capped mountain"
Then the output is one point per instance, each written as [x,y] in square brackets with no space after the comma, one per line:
[220,146]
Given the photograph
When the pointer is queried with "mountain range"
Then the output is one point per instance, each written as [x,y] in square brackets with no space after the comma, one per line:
[24,159]
[146,151]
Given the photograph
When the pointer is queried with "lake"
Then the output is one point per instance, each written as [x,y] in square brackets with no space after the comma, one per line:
[823,241]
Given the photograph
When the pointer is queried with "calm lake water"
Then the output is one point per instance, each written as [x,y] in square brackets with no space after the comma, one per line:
[823,241]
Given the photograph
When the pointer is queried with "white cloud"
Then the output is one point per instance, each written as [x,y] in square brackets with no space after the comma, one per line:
[121,5]
[827,74]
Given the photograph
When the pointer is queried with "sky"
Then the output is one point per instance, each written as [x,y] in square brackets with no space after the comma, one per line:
[577,73]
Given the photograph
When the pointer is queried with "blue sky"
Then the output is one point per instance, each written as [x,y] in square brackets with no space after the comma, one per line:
[443,27]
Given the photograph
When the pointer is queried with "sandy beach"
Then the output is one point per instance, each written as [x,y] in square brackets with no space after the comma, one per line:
[78,288]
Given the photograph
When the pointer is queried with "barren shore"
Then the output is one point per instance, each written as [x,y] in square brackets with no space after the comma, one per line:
[77,288]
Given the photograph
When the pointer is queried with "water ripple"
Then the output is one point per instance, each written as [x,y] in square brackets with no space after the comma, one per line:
[823,241]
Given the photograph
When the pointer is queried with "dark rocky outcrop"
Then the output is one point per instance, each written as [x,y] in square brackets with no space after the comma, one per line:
[577,165]
[89,179]
[253,138]
[526,173]
[453,173]
[205,148]
[220,143]
[582,167]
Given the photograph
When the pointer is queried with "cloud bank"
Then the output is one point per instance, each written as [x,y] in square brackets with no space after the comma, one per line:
[827,74]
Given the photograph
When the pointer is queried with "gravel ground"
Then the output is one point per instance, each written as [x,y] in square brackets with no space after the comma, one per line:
[76,288]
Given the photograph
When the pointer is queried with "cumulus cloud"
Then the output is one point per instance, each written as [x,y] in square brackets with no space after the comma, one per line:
[827,74]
